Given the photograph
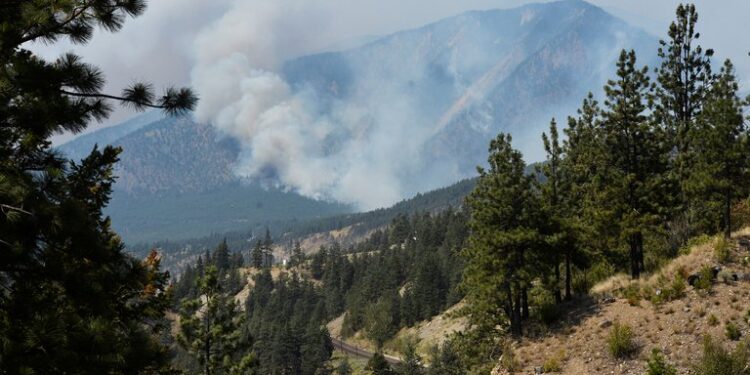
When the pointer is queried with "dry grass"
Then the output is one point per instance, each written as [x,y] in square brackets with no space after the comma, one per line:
[675,327]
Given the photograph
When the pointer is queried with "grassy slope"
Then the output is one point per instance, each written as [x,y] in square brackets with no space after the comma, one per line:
[676,327]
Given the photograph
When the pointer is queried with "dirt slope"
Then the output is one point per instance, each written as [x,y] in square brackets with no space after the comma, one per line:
[676,327]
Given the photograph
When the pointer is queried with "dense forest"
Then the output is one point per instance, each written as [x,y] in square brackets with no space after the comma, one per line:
[401,275]
[662,158]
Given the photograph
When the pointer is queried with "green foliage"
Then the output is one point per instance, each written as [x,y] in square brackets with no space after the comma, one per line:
[705,279]
[732,331]
[411,362]
[72,300]
[657,364]
[505,239]
[722,250]
[344,368]
[717,360]
[508,359]
[620,341]
[554,363]
[379,366]
[445,360]
[210,326]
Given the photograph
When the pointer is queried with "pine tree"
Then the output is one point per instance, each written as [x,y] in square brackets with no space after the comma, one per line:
[257,256]
[636,155]
[554,193]
[378,365]
[504,242]
[210,327]
[344,368]
[72,300]
[411,363]
[722,150]
[684,79]
[445,360]
[221,256]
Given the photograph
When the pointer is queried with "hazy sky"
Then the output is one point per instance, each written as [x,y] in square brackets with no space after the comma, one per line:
[162,45]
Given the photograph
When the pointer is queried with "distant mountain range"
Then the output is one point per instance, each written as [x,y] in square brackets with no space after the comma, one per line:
[175,181]
[469,77]
[476,74]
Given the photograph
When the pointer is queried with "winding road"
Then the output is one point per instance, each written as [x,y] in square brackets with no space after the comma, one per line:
[359,352]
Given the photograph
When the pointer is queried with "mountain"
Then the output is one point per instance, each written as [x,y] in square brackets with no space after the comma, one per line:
[80,146]
[431,98]
[348,227]
[468,77]
[175,181]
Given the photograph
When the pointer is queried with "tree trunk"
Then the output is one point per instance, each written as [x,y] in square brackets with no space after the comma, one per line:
[727,214]
[525,304]
[568,276]
[635,270]
[515,316]
[558,297]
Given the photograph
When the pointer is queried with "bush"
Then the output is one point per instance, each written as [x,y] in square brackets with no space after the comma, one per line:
[620,341]
[732,331]
[722,250]
[633,294]
[657,365]
[554,363]
[705,279]
[508,360]
[716,360]
[713,320]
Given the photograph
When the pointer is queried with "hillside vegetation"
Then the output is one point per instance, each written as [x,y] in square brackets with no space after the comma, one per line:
[663,312]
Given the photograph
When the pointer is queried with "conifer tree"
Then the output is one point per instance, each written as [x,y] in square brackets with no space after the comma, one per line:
[378,365]
[636,155]
[344,368]
[257,256]
[684,79]
[210,327]
[554,190]
[722,149]
[504,242]
[411,363]
[71,300]
[221,256]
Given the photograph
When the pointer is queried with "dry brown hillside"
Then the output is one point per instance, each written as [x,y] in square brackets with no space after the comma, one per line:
[660,315]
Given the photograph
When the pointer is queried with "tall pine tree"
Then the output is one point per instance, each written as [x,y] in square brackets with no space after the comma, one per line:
[636,154]
[71,300]
[502,251]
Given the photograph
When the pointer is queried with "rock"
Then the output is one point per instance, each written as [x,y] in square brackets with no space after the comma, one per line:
[715,271]
[605,324]
[538,370]
[609,299]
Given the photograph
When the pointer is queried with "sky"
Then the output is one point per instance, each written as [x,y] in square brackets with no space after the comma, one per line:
[161,45]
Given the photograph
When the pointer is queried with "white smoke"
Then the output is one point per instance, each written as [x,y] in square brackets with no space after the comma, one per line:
[359,153]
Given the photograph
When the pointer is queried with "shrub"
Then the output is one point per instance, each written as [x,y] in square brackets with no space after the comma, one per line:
[657,365]
[704,281]
[554,363]
[620,340]
[693,242]
[633,294]
[508,360]
[732,331]
[722,251]
[713,320]
[716,360]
